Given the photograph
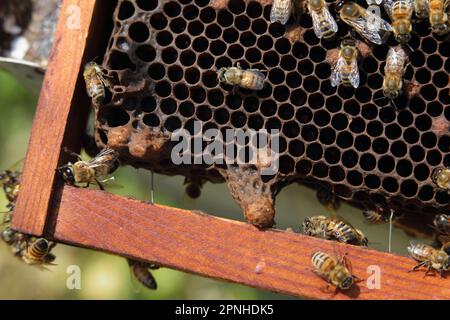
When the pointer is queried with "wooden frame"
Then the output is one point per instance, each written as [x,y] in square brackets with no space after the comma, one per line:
[189,241]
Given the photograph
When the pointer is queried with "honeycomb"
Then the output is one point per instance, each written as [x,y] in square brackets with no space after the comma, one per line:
[164,56]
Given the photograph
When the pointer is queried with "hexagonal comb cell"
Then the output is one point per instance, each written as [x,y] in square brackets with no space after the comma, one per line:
[165,55]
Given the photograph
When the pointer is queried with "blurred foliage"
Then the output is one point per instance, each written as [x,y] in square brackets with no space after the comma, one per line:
[107,277]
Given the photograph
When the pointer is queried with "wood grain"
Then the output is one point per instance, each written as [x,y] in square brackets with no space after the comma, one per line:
[222,249]
[61,99]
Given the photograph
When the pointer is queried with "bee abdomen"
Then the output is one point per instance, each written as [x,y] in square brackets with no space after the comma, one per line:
[344,232]
[142,273]
[322,261]
[38,249]
[252,80]
[281,11]
[373,216]
[419,251]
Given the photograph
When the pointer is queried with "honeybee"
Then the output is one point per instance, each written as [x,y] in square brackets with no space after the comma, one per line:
[16,240]
[281,11]
[438,16]
[96,81]
[346,68]
[442,223]
[332,270]
[91,171]
[367,24]
[252,79]
[142,273]
[328,199]
[441,177]
[38,252]
[334,229]
[393,72]
[429,257]
[421,8]
[323,22]
[400,12]
[378,215]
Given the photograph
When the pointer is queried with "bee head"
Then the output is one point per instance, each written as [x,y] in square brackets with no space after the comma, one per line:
[339,5]
[67,173]
[403,37]
[435,175]
[7,235]
[440,220]
[307,226]
[440,28]
[315,3]
[49,258]
[193,190]
[221,74]
[41,244]
[346,283]
[391,89]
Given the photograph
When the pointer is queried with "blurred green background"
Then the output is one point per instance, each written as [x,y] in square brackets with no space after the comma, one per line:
[104,276]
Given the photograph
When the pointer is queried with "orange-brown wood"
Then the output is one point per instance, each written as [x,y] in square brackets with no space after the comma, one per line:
[61,98]
[218,248]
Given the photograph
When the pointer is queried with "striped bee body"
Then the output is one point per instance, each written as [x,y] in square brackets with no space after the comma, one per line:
[281,11]
[401,12]
[38,252]
[323,22]
[332,270]
[251,79]
[95,79]
[438,16]
[333,229]
[429,257]
[141,272]
[344,232]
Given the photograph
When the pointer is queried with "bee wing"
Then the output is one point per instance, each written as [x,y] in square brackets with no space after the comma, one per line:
[411,245]
[376,2]
[316,22]
[369,26]
[258,72]
[411,4]
[354,74]
[387,4]
[99,158]
[336,75]
[281,11]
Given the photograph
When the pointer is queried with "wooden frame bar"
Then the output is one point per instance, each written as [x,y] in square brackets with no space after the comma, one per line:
[198,243]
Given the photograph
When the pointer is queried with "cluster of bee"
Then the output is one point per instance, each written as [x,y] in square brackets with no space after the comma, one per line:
[97,171]
[336,271]
[33,251]
[368,25]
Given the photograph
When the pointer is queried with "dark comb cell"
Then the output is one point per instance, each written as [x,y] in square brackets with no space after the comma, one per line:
[355,140]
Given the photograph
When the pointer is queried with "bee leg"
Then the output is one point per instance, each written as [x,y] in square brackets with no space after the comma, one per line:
[51,246]
[429,271]
[100,185]
[417,266]
[73,154]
